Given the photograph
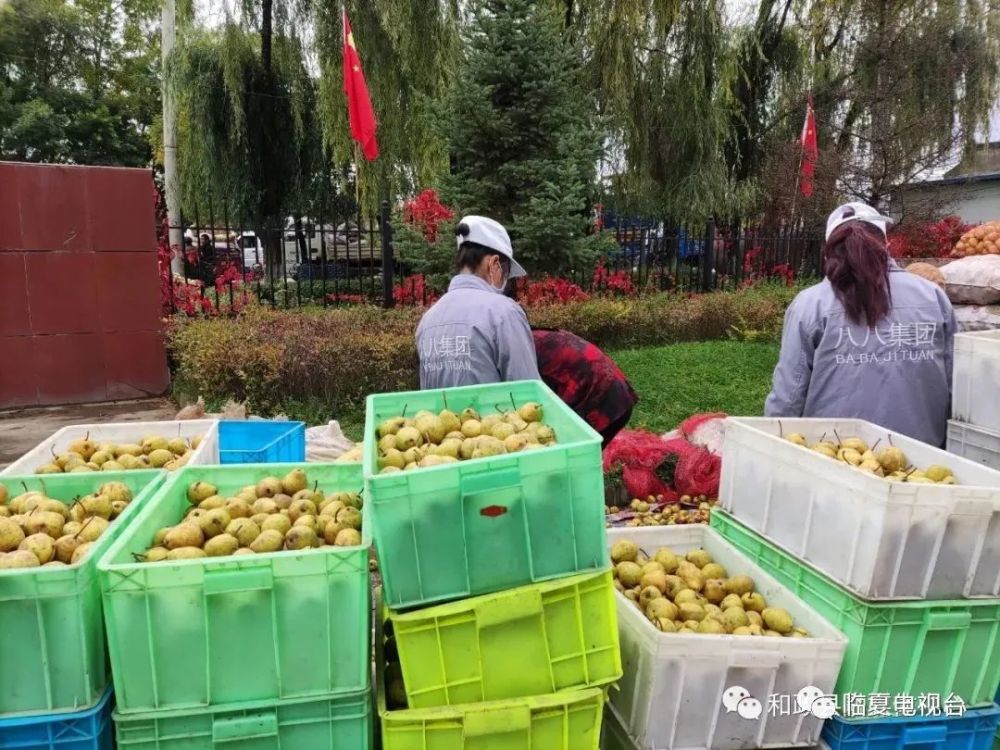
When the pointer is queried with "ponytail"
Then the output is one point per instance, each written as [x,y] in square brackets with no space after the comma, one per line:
[856,263]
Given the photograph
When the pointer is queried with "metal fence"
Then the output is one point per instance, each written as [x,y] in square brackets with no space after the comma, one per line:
[348,260]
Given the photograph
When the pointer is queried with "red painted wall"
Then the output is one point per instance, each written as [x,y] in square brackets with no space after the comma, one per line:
[79,286]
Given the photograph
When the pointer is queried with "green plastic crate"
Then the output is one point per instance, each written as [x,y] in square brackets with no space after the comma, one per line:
[489,524]
[330,723]
[569,720]
[51,622]
[227,630]
[533,640]
[937,646]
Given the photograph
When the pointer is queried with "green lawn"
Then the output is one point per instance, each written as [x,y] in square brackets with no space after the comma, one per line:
[676,381]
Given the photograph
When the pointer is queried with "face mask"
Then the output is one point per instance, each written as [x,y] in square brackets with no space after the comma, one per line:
[503,281]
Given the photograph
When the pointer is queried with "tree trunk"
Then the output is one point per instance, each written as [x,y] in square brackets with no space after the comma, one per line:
[266,34]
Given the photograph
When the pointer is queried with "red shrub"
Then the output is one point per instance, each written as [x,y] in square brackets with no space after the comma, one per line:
[414,290]
[425,212]
[617,283]
[549,290]
[926,239]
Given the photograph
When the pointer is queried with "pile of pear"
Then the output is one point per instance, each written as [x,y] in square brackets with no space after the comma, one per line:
[154,452]
[889,462]
[276,514]
[430,439]
[692,594]
[39,531]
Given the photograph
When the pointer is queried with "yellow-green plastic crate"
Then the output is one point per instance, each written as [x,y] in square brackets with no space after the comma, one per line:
[487,524]
[912,647]
[342,722]
[226,630]
[569,720]
[534,640]
[52,647]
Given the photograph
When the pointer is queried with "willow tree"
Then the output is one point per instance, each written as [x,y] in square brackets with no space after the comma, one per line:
[409,52]
[901,86]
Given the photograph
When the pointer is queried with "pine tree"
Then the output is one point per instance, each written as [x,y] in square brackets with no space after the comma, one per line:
[524,145]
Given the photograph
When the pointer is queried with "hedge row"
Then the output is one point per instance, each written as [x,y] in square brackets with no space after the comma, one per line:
[336,357]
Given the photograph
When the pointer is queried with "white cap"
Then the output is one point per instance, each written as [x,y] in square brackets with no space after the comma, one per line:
[491,234]
[856,211]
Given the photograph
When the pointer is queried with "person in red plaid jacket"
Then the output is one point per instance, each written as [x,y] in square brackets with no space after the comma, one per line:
[586,379]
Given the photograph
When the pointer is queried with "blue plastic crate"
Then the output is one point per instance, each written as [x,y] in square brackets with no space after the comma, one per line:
[90,729]
[261,441]
[974,730]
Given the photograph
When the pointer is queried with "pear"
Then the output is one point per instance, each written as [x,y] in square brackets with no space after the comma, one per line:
[155,443]
[713,570]
[221,545]
[11,535]
[4,511]
[65,546]
[691,611]
[753,601]
[3,494]
[666,557]
[531,412]
[294,481]
[629,573]
[331,530]
[82,469]
[128,449]
[407,438]
[259,518]
[516,443]
[348,538]
[308,520]
[546,435]
[50,468]
[624,549]
[449,447]
[115,491]
[264,505]
[213,502]
[112,466]
[178,446]
[301,537]
[468,448]
[199,491]
[278,523]
[81,552]
[155,554]
[268,487]
[855,444]
[391,457]
[214,522]
[100,458]
[243,530]
[655,578]
[184,535]
[244,551]
[96,505]
[662,608]
[186,553]
[18,559]
[159,458]
[349,517]
[428,461]
[283,501]
[514,420]
[129,462]
[648,594]
[502,431]
[472,428]
[892,459]
[699,557]
[777,619]
[849,456]
[68,460]
[731,600]
[735,617]
[386,443]
[46,522]
[237,507]
[332,508]
[739,585]
[796,438]
[715,590]
[391,426]
[449,421]
[936,473]
[41,546]
[301,507]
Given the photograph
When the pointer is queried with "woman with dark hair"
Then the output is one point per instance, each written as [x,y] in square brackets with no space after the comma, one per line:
[474,334]
[870,341]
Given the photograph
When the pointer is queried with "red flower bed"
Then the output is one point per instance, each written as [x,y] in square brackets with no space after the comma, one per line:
[426,212]
[414,290]
[618,283]
[926,239]
[549,290]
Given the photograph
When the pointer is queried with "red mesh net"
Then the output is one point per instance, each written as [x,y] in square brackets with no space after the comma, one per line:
[668,468]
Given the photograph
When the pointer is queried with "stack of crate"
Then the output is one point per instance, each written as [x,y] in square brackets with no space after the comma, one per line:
[974,431]
[908,572]
[57,685]
[499,627]
[250,651]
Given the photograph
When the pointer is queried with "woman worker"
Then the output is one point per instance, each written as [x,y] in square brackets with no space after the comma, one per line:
[474,334]
[870,341]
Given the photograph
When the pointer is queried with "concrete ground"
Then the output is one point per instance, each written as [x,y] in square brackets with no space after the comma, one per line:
[23,429]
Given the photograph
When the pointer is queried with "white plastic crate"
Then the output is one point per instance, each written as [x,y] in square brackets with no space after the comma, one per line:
[882,540]
[974,443]
[976,371]
[671,694]
[120,432]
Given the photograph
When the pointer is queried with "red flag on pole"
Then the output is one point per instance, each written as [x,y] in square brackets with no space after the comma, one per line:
[810,150]
[359,103]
